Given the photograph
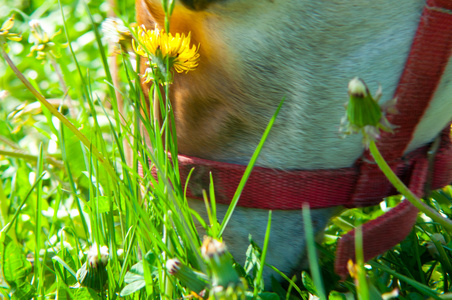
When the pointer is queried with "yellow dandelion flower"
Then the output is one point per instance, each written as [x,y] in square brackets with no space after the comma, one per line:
[43,43]
[158,45]
[4,31]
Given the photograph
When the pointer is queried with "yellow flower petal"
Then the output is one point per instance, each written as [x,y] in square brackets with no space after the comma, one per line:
[8,24]
[175,49]
[14,37]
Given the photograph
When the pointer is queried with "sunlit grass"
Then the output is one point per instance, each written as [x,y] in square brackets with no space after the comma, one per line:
[68,188]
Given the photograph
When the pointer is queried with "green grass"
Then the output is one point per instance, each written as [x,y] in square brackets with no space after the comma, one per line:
[66,183]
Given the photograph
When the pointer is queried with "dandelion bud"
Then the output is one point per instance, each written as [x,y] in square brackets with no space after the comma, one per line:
[117,33]
[362,109]
[364,113]
[193,280]
[93,274]
[220,263]
[357,88]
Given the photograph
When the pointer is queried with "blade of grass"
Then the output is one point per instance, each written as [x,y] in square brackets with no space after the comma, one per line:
[30,157]
[109,79]
[290,281]
[65,265]
[38,229]
[248,170]
[312,254]
[66,31]
[257,285]
[72,184]
[425,290]
[16,214]
[213,204]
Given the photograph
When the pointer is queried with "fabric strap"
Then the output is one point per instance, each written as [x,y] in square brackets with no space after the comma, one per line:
[288,190]
[427,60]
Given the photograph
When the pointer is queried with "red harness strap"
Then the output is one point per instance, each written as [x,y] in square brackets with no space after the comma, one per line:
[427,60]
[363,184]
[288,190]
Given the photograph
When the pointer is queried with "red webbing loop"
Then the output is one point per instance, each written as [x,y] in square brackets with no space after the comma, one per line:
[379,235]
[386,231]
[427,60]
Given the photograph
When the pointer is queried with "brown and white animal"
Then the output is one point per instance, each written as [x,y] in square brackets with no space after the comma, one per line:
[255,53]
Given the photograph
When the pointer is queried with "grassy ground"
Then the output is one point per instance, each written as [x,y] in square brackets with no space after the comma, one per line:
[68,185]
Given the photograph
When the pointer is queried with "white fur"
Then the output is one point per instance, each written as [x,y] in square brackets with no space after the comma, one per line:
[306,52]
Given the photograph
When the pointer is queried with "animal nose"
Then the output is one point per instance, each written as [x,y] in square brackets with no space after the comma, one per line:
[197,4]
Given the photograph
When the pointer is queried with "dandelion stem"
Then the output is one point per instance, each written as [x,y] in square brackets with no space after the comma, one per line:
[405,191]
[65,89]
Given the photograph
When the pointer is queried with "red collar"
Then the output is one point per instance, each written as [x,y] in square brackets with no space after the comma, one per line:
[363,184]
[360,185]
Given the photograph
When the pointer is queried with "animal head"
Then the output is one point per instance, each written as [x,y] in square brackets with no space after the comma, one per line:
[254,53]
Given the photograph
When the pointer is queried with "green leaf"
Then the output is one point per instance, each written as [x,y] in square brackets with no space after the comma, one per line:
[135,273]
[253,257]
[135,279]
[103,205]
[262,296]
[150,257]
[415,296]
[63,263]
[308,283]
[336,296]
[267,296]
[442,199]
[74,152]
[86,294]
[24,291]
[133,287]
[14,263]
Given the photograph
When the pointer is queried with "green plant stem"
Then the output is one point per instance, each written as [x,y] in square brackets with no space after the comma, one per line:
[30,157]
[403,189]
[57,114]
[312,254]
[361,281]
[260,272]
